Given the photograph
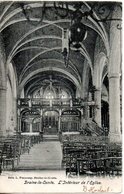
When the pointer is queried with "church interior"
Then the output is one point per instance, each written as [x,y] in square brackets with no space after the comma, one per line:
[60,86]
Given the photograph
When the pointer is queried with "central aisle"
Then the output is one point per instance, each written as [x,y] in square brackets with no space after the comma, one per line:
[45,155]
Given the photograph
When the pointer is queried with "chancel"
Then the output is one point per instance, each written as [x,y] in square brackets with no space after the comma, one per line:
[60,86]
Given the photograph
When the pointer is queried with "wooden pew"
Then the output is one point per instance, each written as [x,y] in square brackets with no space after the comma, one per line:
[94,155]
[12,147]
[108,165]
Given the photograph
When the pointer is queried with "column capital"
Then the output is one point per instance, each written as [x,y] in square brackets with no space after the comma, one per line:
[114,75]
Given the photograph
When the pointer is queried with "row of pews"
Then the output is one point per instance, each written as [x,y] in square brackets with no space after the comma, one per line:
[88,158]
[12,147]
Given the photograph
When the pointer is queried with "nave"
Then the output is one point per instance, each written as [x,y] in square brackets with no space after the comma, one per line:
[61,87]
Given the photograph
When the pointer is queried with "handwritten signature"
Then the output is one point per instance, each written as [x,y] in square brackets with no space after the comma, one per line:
[93,189]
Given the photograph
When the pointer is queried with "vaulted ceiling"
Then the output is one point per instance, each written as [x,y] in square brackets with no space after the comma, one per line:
[35,47]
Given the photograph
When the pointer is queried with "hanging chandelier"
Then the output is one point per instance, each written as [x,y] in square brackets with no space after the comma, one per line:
[77,31]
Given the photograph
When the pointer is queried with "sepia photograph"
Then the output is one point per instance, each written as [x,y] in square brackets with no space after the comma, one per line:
[60,97]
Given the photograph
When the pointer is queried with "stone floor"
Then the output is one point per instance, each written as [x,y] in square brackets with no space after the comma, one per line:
[45,155]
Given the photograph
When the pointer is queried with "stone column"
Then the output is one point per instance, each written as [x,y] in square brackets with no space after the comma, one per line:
[40,124]
[41,120]
[31,127]
[19,121]
[114,70]
[82,118]
[15,115]
[114,107]
[2,111]
[2,89]
[98,107]
[22,93]
[30,103]
[71,103]
[59,122]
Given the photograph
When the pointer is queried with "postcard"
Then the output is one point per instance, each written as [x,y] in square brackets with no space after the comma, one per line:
[60,97]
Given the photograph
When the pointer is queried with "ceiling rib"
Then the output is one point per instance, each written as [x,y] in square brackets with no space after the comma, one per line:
[101,27]
[49,59]
[5,10]
[37,55]
[15,48]
[31,40]
[71,66]
[35,5]
[75,81]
